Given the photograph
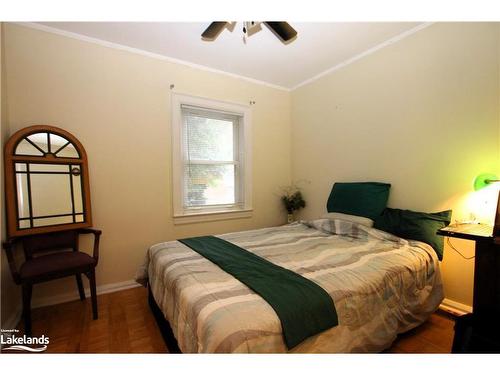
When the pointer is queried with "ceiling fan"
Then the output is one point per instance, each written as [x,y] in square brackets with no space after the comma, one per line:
[282,30]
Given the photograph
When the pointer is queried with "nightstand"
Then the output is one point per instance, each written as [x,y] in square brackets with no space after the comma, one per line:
[479,332]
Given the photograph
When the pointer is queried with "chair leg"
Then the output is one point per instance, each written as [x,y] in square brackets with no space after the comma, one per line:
[93,293]
[27,291]
[80,286]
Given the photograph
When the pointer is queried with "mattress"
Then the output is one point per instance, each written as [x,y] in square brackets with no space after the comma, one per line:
[381,285]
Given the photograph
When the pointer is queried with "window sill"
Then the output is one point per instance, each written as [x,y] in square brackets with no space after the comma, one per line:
[200,217]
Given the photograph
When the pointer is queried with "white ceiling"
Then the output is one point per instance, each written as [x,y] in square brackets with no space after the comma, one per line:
[318,47]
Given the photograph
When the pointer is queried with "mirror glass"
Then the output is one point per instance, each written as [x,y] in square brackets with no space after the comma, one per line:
[46,182]
[77,192]
[38,145]
[20,167]
[22,196]
[62,148]
[52,221]
[68,151]
[48,168]
[26,148]
[56,142]
[49,194]
[40,140]
[24,224]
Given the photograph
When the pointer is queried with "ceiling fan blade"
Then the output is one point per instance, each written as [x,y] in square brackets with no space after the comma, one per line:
[213,30]
[282,30]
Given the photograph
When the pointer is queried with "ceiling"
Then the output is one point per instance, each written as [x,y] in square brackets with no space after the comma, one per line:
[318,47]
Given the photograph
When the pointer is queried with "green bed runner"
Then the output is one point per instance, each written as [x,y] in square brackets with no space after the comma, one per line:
[303,307]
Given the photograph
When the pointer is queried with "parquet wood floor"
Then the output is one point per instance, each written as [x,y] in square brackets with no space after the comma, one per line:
[126,325]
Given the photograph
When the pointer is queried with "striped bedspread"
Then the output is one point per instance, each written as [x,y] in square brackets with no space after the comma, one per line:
[382,285]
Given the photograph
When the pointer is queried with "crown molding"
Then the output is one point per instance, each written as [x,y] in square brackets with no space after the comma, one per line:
[368,52]
[138,51]
[141,52]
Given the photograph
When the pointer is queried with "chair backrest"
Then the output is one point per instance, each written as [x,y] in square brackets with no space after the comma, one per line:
[55,241]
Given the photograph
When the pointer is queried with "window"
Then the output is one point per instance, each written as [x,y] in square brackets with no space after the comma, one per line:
[211,159]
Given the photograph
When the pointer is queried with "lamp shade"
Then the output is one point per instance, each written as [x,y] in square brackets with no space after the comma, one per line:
[483,180]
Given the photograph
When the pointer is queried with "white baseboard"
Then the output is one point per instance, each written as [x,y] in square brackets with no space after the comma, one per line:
[14,319]
[72,296]
[455,308]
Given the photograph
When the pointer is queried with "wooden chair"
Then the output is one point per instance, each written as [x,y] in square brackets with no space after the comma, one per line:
[52,256]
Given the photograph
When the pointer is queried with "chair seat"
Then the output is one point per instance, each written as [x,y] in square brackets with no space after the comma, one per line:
[56,264]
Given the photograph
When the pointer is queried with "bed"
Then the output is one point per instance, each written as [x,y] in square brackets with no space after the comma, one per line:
[381,285]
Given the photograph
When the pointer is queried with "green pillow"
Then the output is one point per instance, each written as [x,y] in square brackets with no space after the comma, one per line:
[413,225]
[367,199]
[389,221]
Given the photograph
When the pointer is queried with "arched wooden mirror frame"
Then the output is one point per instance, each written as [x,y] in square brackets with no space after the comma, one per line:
[45,157]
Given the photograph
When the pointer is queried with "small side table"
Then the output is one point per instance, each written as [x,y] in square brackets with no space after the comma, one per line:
[479,332]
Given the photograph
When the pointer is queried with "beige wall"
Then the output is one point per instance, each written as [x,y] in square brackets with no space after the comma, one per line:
[118,105]
[422,114]
[9,292]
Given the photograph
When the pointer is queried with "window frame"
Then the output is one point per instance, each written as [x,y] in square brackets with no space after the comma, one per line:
[182,215]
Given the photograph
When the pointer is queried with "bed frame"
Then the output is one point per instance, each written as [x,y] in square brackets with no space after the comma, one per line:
[163,325]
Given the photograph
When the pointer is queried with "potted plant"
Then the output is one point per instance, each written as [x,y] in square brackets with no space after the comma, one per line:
[293,201]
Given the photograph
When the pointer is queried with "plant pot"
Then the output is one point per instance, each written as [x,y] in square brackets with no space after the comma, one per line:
[290,218]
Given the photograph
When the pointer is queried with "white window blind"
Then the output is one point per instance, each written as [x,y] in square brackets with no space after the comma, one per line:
[212,159]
